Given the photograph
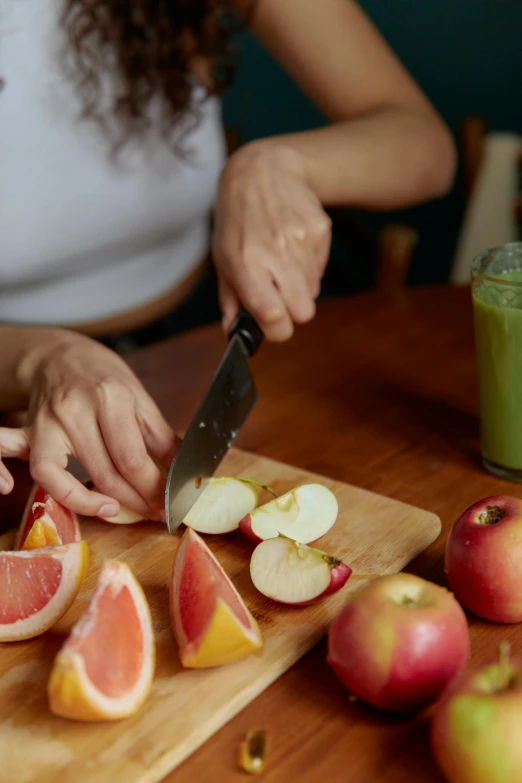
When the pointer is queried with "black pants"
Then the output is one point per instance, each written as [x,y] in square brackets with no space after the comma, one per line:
[201,307]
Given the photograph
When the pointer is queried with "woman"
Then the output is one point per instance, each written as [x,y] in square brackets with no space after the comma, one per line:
[93,245]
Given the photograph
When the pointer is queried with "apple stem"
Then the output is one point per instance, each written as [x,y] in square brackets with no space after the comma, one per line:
[258,484]
[331,560]
[492,515]
[302,549]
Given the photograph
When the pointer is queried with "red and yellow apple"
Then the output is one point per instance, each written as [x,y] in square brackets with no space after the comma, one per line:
[483,559]
[398,642]
[305,513]
[293,573]
[475,729]
[221,505]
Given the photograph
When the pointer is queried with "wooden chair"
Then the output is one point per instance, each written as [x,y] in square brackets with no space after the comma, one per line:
[492,164]
[396,246]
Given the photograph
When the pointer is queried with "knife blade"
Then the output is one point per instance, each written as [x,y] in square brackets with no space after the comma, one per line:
[216,424]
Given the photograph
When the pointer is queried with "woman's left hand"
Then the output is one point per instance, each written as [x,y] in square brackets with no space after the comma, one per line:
[271,240]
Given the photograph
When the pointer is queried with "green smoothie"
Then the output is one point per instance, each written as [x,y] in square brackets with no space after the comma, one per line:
[497,311]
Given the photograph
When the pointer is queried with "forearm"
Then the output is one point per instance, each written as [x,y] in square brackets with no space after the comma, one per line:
[21,349]
[387,147]
[390,159]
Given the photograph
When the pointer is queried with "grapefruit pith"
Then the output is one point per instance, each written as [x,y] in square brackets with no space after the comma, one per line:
[37,587]
[211,623]
[105,668]
[45,522]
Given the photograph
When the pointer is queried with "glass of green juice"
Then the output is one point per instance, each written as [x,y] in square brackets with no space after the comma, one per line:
[497,311]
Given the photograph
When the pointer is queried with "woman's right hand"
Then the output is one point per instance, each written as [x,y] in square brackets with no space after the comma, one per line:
[84,401]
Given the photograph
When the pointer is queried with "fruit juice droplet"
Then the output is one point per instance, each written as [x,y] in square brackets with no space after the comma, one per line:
[252,752]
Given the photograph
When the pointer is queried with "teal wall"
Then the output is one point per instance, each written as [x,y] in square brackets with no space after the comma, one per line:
[465,54]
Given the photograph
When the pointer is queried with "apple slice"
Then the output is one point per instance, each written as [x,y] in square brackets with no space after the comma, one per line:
[125,516]
[221,505]
[304,514]
[293,573]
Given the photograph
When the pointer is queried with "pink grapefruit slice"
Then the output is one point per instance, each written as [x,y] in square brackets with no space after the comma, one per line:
[37,587]
[105,668]
[212,625]
[46,522]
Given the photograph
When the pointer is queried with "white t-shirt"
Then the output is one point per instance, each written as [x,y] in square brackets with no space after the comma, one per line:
[81,236]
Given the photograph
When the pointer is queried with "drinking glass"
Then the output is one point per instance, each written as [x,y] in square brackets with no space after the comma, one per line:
[497,312]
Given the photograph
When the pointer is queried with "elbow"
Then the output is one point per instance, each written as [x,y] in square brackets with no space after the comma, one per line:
[438,169]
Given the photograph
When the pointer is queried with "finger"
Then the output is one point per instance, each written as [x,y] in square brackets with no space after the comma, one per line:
[229,303]
[322,245]
[260,296]
[126,446]
[161,441]
[88,446]
[309,242]
[313,262]
[48,461]
[294,288]
[13,443]
[268,308]
[320,232]
[6,480]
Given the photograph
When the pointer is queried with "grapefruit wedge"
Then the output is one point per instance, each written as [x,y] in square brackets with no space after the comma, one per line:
[105,668]
[211,623]
[37,587]
[46,522]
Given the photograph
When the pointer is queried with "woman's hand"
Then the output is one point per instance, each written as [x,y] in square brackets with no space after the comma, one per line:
[84,401]
[271,241]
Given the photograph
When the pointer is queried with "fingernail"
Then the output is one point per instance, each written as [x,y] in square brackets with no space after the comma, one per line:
[273,316]
[4,486]
[108,510]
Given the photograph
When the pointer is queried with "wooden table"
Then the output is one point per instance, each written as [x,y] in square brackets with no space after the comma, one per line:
[379,392]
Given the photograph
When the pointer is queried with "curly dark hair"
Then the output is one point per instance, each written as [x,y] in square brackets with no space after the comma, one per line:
[146,50]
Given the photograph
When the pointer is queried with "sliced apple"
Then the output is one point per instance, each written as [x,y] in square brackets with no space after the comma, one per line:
[293,573]
[305,514]
[221,505]
[125,516]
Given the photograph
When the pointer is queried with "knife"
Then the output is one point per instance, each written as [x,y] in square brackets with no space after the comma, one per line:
[215,426]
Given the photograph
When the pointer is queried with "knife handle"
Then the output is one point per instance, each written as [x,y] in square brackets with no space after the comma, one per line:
[247,328]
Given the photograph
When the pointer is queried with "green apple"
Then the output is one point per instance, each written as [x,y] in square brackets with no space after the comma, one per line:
[477,726]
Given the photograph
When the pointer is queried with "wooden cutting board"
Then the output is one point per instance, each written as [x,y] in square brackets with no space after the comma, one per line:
[374,534]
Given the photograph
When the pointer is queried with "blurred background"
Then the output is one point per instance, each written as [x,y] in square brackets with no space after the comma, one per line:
[465,54]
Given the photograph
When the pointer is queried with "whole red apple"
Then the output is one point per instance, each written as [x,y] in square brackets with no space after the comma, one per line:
[483,559]
[475,729]
[398,642]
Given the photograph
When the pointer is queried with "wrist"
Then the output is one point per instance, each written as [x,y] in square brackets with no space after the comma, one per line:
[39,346]
[295,151]
[276,151]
